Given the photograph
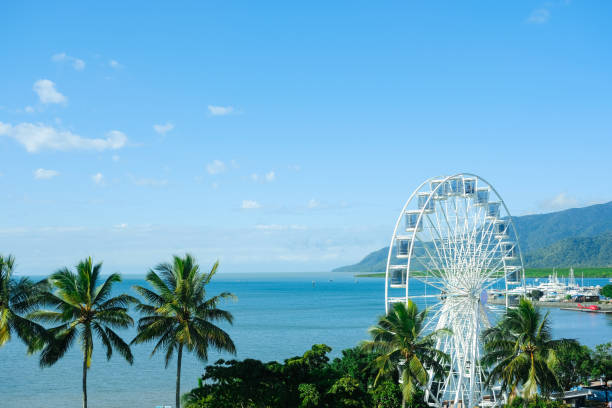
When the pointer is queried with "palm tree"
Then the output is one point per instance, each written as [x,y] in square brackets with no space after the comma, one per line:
[402,345]
[85,310]
[521,352]
[18,297]
[179,315]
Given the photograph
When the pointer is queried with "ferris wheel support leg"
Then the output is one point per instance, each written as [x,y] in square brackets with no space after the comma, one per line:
[474,361]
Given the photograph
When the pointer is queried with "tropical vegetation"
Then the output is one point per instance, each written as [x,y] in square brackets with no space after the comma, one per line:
[606,291]
[401,344]
[309,380]
[180,316]
[521,353]
[17,298]
[84,311]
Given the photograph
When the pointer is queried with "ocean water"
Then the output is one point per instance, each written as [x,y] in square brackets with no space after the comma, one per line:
[276,316]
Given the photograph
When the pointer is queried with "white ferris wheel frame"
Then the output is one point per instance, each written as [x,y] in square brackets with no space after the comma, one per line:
[471,333]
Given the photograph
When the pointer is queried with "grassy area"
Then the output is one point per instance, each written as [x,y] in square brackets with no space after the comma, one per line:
[535,273]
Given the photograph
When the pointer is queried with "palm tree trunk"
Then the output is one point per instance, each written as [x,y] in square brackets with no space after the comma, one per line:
[85,381]
[178,376]
[403,402]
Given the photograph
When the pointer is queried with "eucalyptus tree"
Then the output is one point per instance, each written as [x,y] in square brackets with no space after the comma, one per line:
[521,352]
[402,346]
[85,311]
[17,298]
[179,315]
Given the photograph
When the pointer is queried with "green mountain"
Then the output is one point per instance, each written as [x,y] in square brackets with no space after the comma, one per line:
[574,237]
[541,230]
[577,252]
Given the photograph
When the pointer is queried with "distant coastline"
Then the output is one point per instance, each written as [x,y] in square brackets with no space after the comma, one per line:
[533,273]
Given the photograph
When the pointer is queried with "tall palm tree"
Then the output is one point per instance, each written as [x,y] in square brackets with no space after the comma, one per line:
[18,297]
[85,310]
[179,314]
[400,340]
[521,352]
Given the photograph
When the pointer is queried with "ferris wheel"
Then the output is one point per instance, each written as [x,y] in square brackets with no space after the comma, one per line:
[454,243]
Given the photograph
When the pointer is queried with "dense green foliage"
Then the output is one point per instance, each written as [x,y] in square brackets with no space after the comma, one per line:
[18,297]
[574,251]
[575,365]
[84,311]
[310,380]
[541,230]
[601,358]
[401,345]
[536,402]
[606,291]
[180,315]
[521,353]
[579,237]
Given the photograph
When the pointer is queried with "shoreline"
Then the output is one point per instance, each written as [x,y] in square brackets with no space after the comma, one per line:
[570,305]
[536,273]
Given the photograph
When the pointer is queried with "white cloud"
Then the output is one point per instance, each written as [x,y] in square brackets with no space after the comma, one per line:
[37,137]
[115,157]
[215,185]
[539,16]
[77,63]
[216,167]
[120,226]
[313,203]
[163,129]
[270,176]
[250,204]
[97,178]
[29,109]
[44,174]
[114,64]
[220,110]
[47,93]
[559,202]
[294,167]
[59,57]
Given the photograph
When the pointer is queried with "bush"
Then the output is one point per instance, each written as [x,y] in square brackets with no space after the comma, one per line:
[606,291]
[537,402]
[536,294]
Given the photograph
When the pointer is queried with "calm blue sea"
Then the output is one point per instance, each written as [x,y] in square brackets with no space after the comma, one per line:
[276,316]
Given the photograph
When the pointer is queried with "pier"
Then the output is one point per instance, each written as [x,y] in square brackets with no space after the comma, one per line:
[587,310]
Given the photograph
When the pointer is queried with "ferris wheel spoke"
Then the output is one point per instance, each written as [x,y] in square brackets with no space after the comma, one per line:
[437,266]
[443,240]
[424,280]
[434,313]
[433,240]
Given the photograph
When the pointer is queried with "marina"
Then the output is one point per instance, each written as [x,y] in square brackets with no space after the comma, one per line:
[556,292]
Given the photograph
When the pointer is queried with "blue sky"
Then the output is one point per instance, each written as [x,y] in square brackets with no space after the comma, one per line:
[285,136]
